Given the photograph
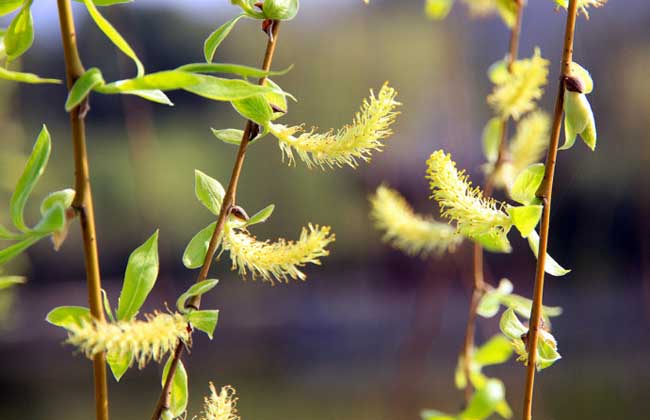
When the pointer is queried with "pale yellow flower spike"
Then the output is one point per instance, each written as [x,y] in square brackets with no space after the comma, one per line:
[348,145]
[516,94]
[220,405]
[527,147]
[407,231]
[280,260]
[144,340]
[475,215]
[583,5]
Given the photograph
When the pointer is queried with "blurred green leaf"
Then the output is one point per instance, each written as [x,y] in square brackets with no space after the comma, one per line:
[492,138]
[525,218]
[205,321]
[31,174]
[508,11]
[197,249]
[435,415]
[107,306]
[261,216]
[224,68]
[68,316]
[178,399]
[578,120]
[437,9]
[8,6]
[214,40]
[248,6]
[119,363]
[484,401]
[496,241]
[16,249]
[83,86]
[53,220]
[20,33]
[107,2]
[111,33]
[489,304]
[281,9]
[208,191]
[197,289]
[139,279]
[551,266]
[17,76]
[62,197]
[153,95]
[525,187]
[498,72]
[10,281]
[496,351]
[511,326]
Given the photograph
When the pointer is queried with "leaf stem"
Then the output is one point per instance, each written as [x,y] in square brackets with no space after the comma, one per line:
[83,202]
[545,192]
[479,285]
[227,205]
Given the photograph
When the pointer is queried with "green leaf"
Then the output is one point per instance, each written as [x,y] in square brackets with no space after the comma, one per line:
[551,266]
[522,306]
[8,6]
[244,71]
[9,281]
[205,321]
[508,11]
[248,6]
[178,399]
[578,117]
[229,135]
[139,279]
[525,218]
[261,216]
[107,308]
[496,351]
[208,191]
[511,326]
[498,72]
[438,9]
[20,34]
[547,353]
[256,108]
[16,249]
[33,170]
[492,138]
[197,249]
[197,289]
[68,316]
[220,89]
[62,197]
[495,241]
[484,401]
[53,220]
[17,76]
[112,34]
[153,95]
[83,86]
[435,415]
[7,234]
[214,40]
[277,97]
[526,184]
[119,363]
[489,304]
[281,9]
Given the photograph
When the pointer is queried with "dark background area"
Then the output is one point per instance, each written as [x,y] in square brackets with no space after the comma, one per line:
[372,334]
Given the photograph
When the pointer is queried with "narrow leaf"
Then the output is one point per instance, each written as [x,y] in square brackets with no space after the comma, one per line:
[33,170]
[10,281]
[119,363]
[16,249]
[197,289]
[83,86]
[214,40]
[139,279]
[112,34]
[492,138]
[225,68]
[178,399]
[17,76]
[208,191]
[197,249]
[205,321]
[20,34]
[551,266]
[261,216]
[107,306]
[68,316]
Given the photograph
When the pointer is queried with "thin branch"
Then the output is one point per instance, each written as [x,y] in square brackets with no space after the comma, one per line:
[83,202]
[250,131]
[545,192]
[479,285]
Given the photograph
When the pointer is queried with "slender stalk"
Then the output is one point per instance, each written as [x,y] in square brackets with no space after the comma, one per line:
[83,202]
[545,192]
[479,285]
[229,200]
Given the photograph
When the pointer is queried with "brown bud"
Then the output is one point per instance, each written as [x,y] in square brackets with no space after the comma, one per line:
[573,84]
[277,109]
[239,213]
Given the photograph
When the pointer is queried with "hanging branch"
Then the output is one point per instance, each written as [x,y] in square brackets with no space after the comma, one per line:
[479,286]
[271,28]
[83,201]
[544,193]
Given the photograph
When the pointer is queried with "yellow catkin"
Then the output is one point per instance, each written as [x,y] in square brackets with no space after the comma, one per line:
[407,231]
[516,93]
[526,147]
[280,260]
[583,5]
[348,145]
[143,340]
[220,405]
[474,214]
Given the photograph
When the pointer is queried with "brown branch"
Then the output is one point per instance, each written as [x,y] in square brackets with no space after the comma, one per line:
[250,131]
[83,201]
[479,285]
[545,192]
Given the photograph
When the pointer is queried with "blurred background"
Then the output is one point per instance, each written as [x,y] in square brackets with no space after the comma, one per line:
[372,334]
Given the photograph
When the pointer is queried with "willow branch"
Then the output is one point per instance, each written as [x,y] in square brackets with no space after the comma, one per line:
[83,201]
[479,285]
[544,193]
[250,131]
